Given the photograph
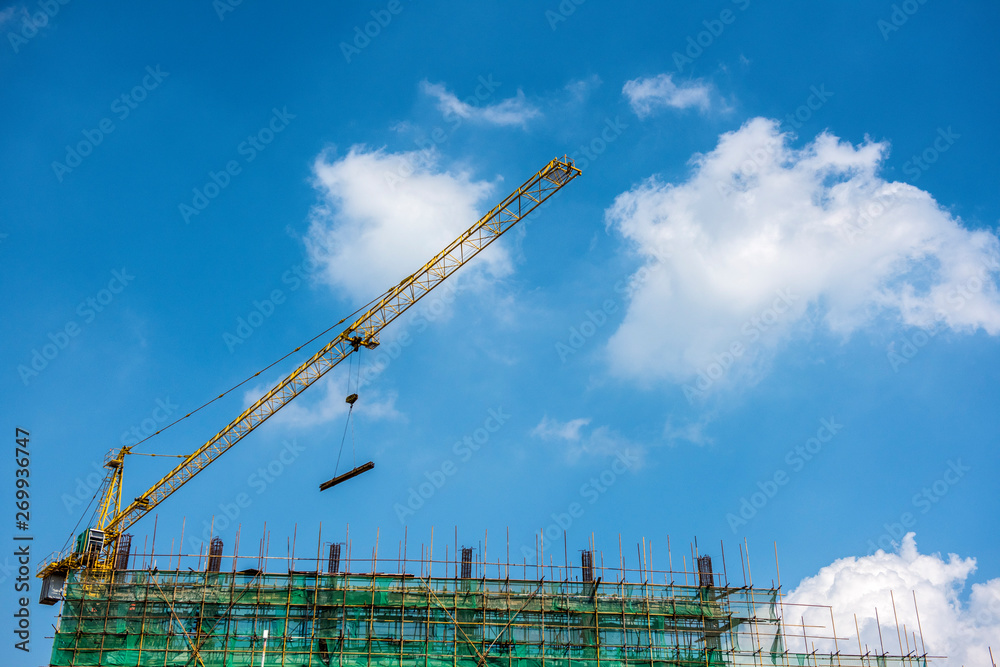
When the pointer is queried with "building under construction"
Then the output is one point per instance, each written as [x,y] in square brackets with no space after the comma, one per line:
[464,611]
[457,612]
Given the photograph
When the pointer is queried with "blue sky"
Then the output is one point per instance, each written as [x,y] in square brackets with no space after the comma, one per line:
[777,275]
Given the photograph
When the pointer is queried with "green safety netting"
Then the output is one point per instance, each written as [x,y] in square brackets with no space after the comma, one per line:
[220,620]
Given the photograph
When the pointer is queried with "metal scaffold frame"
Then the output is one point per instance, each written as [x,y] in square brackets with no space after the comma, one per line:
[263,610]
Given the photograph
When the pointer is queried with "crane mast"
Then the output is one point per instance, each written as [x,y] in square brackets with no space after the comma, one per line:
[96,549]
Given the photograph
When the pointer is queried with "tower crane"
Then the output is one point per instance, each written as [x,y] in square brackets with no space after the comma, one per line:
[96,548]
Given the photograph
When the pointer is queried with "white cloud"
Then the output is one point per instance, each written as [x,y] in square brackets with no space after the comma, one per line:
[324,403]
[580,89]
[511,111]
[604,441]
[384,215]
[693,432]
[601,441]
[552,429]
[962,630]
[764,241]
[646,95]
[7,15]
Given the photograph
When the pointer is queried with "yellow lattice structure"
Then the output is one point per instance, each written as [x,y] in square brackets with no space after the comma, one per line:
[98,548]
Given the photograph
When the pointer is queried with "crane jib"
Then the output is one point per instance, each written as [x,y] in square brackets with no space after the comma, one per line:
[114,521]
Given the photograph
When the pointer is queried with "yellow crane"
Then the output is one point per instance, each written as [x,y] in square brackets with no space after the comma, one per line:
[96,547]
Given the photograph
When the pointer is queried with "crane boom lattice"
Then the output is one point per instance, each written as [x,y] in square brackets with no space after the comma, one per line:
[113,521]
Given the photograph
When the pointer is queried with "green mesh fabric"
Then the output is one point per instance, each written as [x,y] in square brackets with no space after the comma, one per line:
[142,618]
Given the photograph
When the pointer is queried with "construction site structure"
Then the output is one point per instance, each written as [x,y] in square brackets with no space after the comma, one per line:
[97,547]
[217,610]
[210,610]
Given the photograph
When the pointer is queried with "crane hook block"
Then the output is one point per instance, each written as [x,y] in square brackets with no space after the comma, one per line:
[352,399]
[346,476]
